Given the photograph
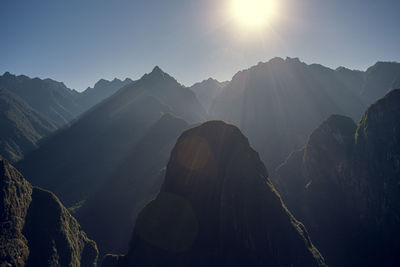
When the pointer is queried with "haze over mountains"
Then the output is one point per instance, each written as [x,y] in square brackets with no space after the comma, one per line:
[21,126]
[278,103]
[106,134]
[344,185]
[43,106]
[215,204]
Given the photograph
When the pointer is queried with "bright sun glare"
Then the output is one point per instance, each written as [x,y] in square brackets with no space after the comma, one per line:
[253,14]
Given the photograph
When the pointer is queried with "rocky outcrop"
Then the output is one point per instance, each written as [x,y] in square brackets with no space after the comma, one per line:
[344,186]
[217,208]
[36,229]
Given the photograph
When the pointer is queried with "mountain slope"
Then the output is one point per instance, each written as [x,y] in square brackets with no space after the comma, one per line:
[344,186]
[77,160]
[217,208]
[21,126]
[50,98]
[380,78]
[109,215]
[207,90]
[100,91]
[278,103]
[36,229]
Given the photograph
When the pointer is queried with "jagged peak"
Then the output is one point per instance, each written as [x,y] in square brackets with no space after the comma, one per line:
[101,82]
[157,69]
[293,60]
[157,75]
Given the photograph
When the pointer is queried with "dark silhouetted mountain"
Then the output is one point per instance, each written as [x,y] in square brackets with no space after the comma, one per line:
[21,126]
[278,103]
[36,229]
[52,99]
[344,186]
[77,160]
[217,208]
[109,215]
[100,91]
[207,90]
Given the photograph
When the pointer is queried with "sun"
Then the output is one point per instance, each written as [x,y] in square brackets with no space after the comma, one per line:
[253,14]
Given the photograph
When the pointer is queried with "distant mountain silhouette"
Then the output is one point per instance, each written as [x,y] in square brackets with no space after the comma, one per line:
[36,229]
[109,215]
[52,99]
[344,186]
[76,161]
[100,91]
[278,103]
[207,90]
[21,126]
[56,102]
[217,207]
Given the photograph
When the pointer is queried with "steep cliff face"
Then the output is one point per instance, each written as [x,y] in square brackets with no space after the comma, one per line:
[344,186]
[217,208]
[314,183]
[378,155]
[36,229]
[15,198]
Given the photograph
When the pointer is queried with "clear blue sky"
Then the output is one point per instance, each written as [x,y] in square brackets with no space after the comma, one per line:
[81,41]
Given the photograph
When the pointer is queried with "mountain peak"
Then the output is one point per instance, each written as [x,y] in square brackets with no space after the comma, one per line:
[157,71]
[157,75]
[227,176]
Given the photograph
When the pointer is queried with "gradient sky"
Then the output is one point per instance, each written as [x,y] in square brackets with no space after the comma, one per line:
[80,41]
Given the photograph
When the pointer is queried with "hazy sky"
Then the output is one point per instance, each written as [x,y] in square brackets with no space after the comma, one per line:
[80,41]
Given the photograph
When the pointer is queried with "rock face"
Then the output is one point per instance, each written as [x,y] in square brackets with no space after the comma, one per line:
[344,186]
[36,229]
[217,208]
[109,215]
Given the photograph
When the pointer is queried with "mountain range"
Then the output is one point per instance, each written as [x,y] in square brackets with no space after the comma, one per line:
[148,180]
[278,103]
[106,134]
[34,108]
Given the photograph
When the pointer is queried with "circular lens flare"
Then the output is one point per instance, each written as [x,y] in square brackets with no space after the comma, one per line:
[253,14]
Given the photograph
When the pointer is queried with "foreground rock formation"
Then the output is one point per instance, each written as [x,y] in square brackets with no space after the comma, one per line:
[217,208]
[36,229]
[344,186]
